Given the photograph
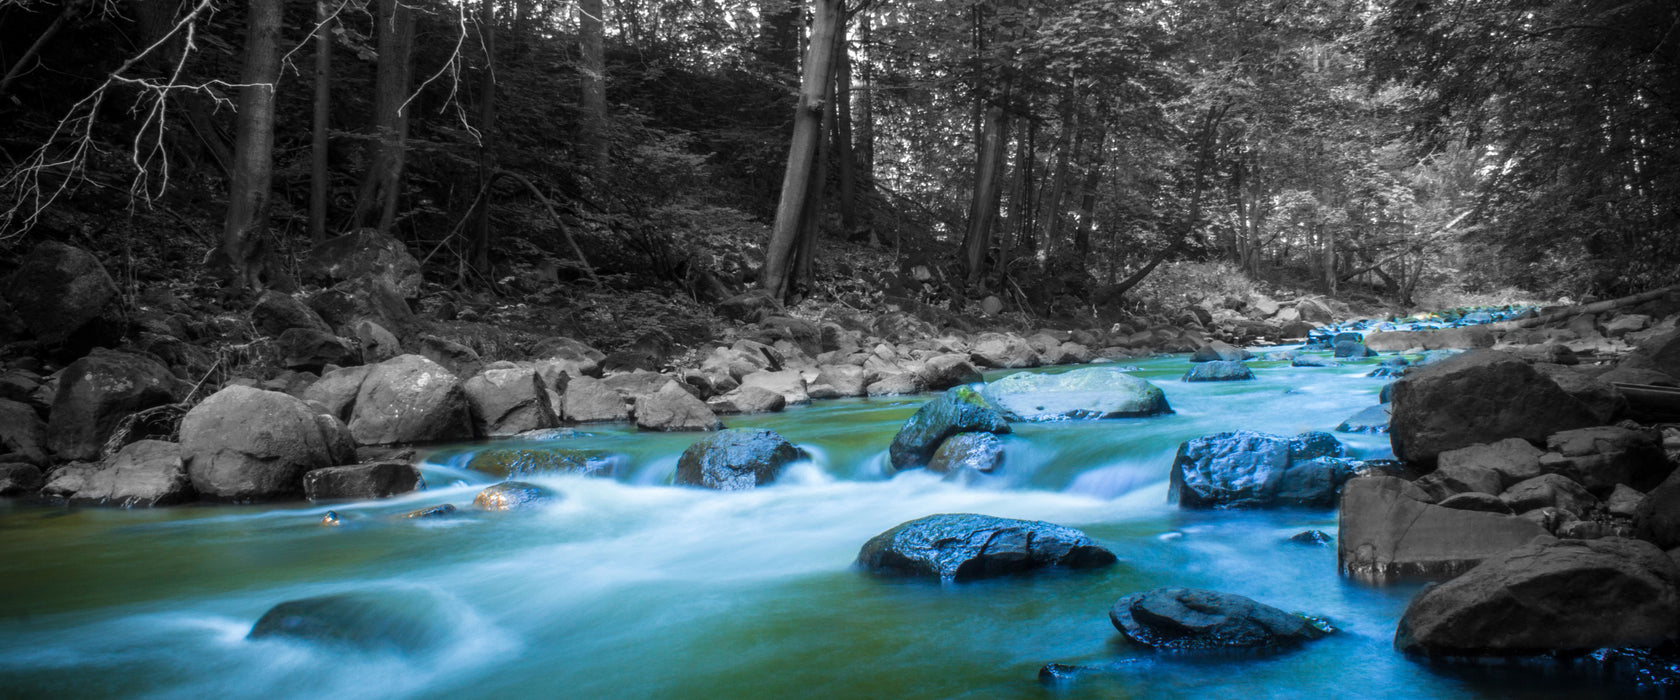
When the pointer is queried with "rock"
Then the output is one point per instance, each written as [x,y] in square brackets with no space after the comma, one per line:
[1601,457]
[1312,361]
[378,344]
[410,399]
[1476,501]
[1218,372]
[837,381]
[1087,393]
[1006,351]
[1216,351]
[1385,533]
[991,305]
[673,408]
[142,474]
[562,356]
[66,299]
[310,349]
[1604,401]
[788,382]
[749,307]
[1315,538]
[1549,491]
[1184,619]
[1514,459]
[364,253]
[22,434]
[1372,419]
[958,410]
[1353,348]
[509,401]
[942,372]
[895,384]
[519,462]
[1564,596]
[401,622]
[736,460]
[512,495]
[361,481]
[245,444]
[1635,375]
[459,359]
[1460,478]
[443,510]
[276,312]
[336,390]
[1624,501]
[748,399]
[1444,339]
[966,547]
[1478,397]
[1660,353]
[591,400]
[346,304]
[19,479]
[1658,516]
[96,392]
[1624,324]
[1245,469]
[979,452]
[1314,311]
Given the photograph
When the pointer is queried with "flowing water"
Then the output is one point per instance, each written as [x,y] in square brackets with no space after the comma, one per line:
[628,587]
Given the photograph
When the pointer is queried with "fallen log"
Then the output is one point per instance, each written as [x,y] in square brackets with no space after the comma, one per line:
[1593,308]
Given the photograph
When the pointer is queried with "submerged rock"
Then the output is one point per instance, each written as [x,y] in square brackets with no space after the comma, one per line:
[1244,469]
[1095,392]
[1373,419]
[1218,371]
[512,495]
[391,622]
[361,481]
[966,546]
[736,460]
[961,409]
[1186,619]
[1314,538]
[514,462]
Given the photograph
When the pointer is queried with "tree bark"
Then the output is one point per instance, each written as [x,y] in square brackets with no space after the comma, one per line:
[253,152]
[810,225]
[1070,134]
[382,184]
[318,144]
[485,238]
[1088,191]
[593,101]
[843,147]
[866,110]
[802,148]
[982,209]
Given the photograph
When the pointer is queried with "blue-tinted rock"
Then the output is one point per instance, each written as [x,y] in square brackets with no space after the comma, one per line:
[1218,372]
[980,452]
[736,460]
[1094,392]
[965,546]
[960,410]
[1373,419]
[1185,619]
[399,622]
[1254,470]
[512,495]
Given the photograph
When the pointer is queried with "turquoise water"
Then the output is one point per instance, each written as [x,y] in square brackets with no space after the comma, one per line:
[628,587]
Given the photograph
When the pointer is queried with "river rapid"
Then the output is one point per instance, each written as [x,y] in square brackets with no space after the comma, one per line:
[630,588]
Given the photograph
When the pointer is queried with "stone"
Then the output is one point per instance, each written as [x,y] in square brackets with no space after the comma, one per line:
[672,408]
[895,384]
[1312,361]
[66,299]
[1386,533]
[942,372]
[1313,538]
[96,392]
[978,452]
[361,481]
[562,356]
[788,382]
[1192,620]
[1215,351]
[1514,459]
[459,359]
[1549,491]
[1563,596]
[276,312]
[965,547]
[1244,469]
[336,390]
[378,344]
[1624,501]
[509,401]
[1476,501]
[736,460]
[360,254]
[410,399]
[22,434]
[748,399]
[590,400]
[991,305]
[1460,478]
[311,349]
[1086,393]
[1443,339]
[1603,456]
[1603,400]
[344,305]
[143,474]
[1004,351]
[19,479]
[1353,348]
[1218,371]
[1624,324]
[519,462]
[1478,397]
[1635,375]
[442,510]
[513,495]
[960,409]
[397,622]
[244,444]
[1371,419]
[1314,311]
[1658,516]
[750,307]
[837,381]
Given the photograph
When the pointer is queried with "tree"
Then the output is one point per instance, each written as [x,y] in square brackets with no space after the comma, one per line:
[799,175]
[382,182]
[244,231]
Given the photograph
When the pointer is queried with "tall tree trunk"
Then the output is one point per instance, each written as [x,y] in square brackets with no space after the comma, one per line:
[593,101]
[866,109]
[982,209]
[843,148]
[1020,196]
[802,148]
[382,184]
[1069,132]
[318,143]
[253,151]
[484,240]
[1088,190]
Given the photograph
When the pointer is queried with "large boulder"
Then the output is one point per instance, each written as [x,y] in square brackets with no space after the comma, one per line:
[1003,350]
[1244,469]
[509,401]
[1657,518]
[336,390]
[561,356]
[143,474]
[942,372]
[1386,531]
[1092,392]
[965,546]
[1562,596]
[837,381]
[364,253]
[311,350]
[788,382]
[673,408]
[96,392]
[1603,456]
[347,304]
[400,622]
[66,299]
[410,399]
[748,399]
[1218,371]
[361,481]
[244,444]
[590,400]
[519,462]
[1186,619]
[23,437]
[959,410]
[736,460]
[1549,491]
[1478,397]
[1514,459]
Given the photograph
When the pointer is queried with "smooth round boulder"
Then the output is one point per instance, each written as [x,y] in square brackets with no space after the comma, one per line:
[672,408]
[1087,393]
[1193,620]
[1245,469]
[965,546]
[244,444]
[410,399]
[959,410]
[96,392]
[1218,371]
[736,460]
[1003,350]
[1478,397]
[403,622]
[512,495]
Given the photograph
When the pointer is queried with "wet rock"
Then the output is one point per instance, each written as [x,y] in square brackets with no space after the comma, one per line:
[509,401]
[736,460]
[1315,538]
[1244,469]
[1185,619]
[1353,348]
[966,546]
[1312,361]
[1093,392]
[438,511]
[1601,457]
[66,299]
[402,622]
[1476,501]
[748,399]
[1372,419]
[276,312]
[22,434]
[1514,459]
[1563,596]
[143,474]
[410,399]
[512,495]
[361,481]
[959,409]
[1385,532]
[672,408]
[1477,397]
[1218,372]
[1549,491]
[1217,351]
[245,444]
[590,400]
[978,452]
[19,479]
[96,392]
[516,462]
[364,253]
[1006,351]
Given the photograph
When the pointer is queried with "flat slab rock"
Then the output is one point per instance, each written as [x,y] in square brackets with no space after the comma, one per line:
[1188,619]
[966,546]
